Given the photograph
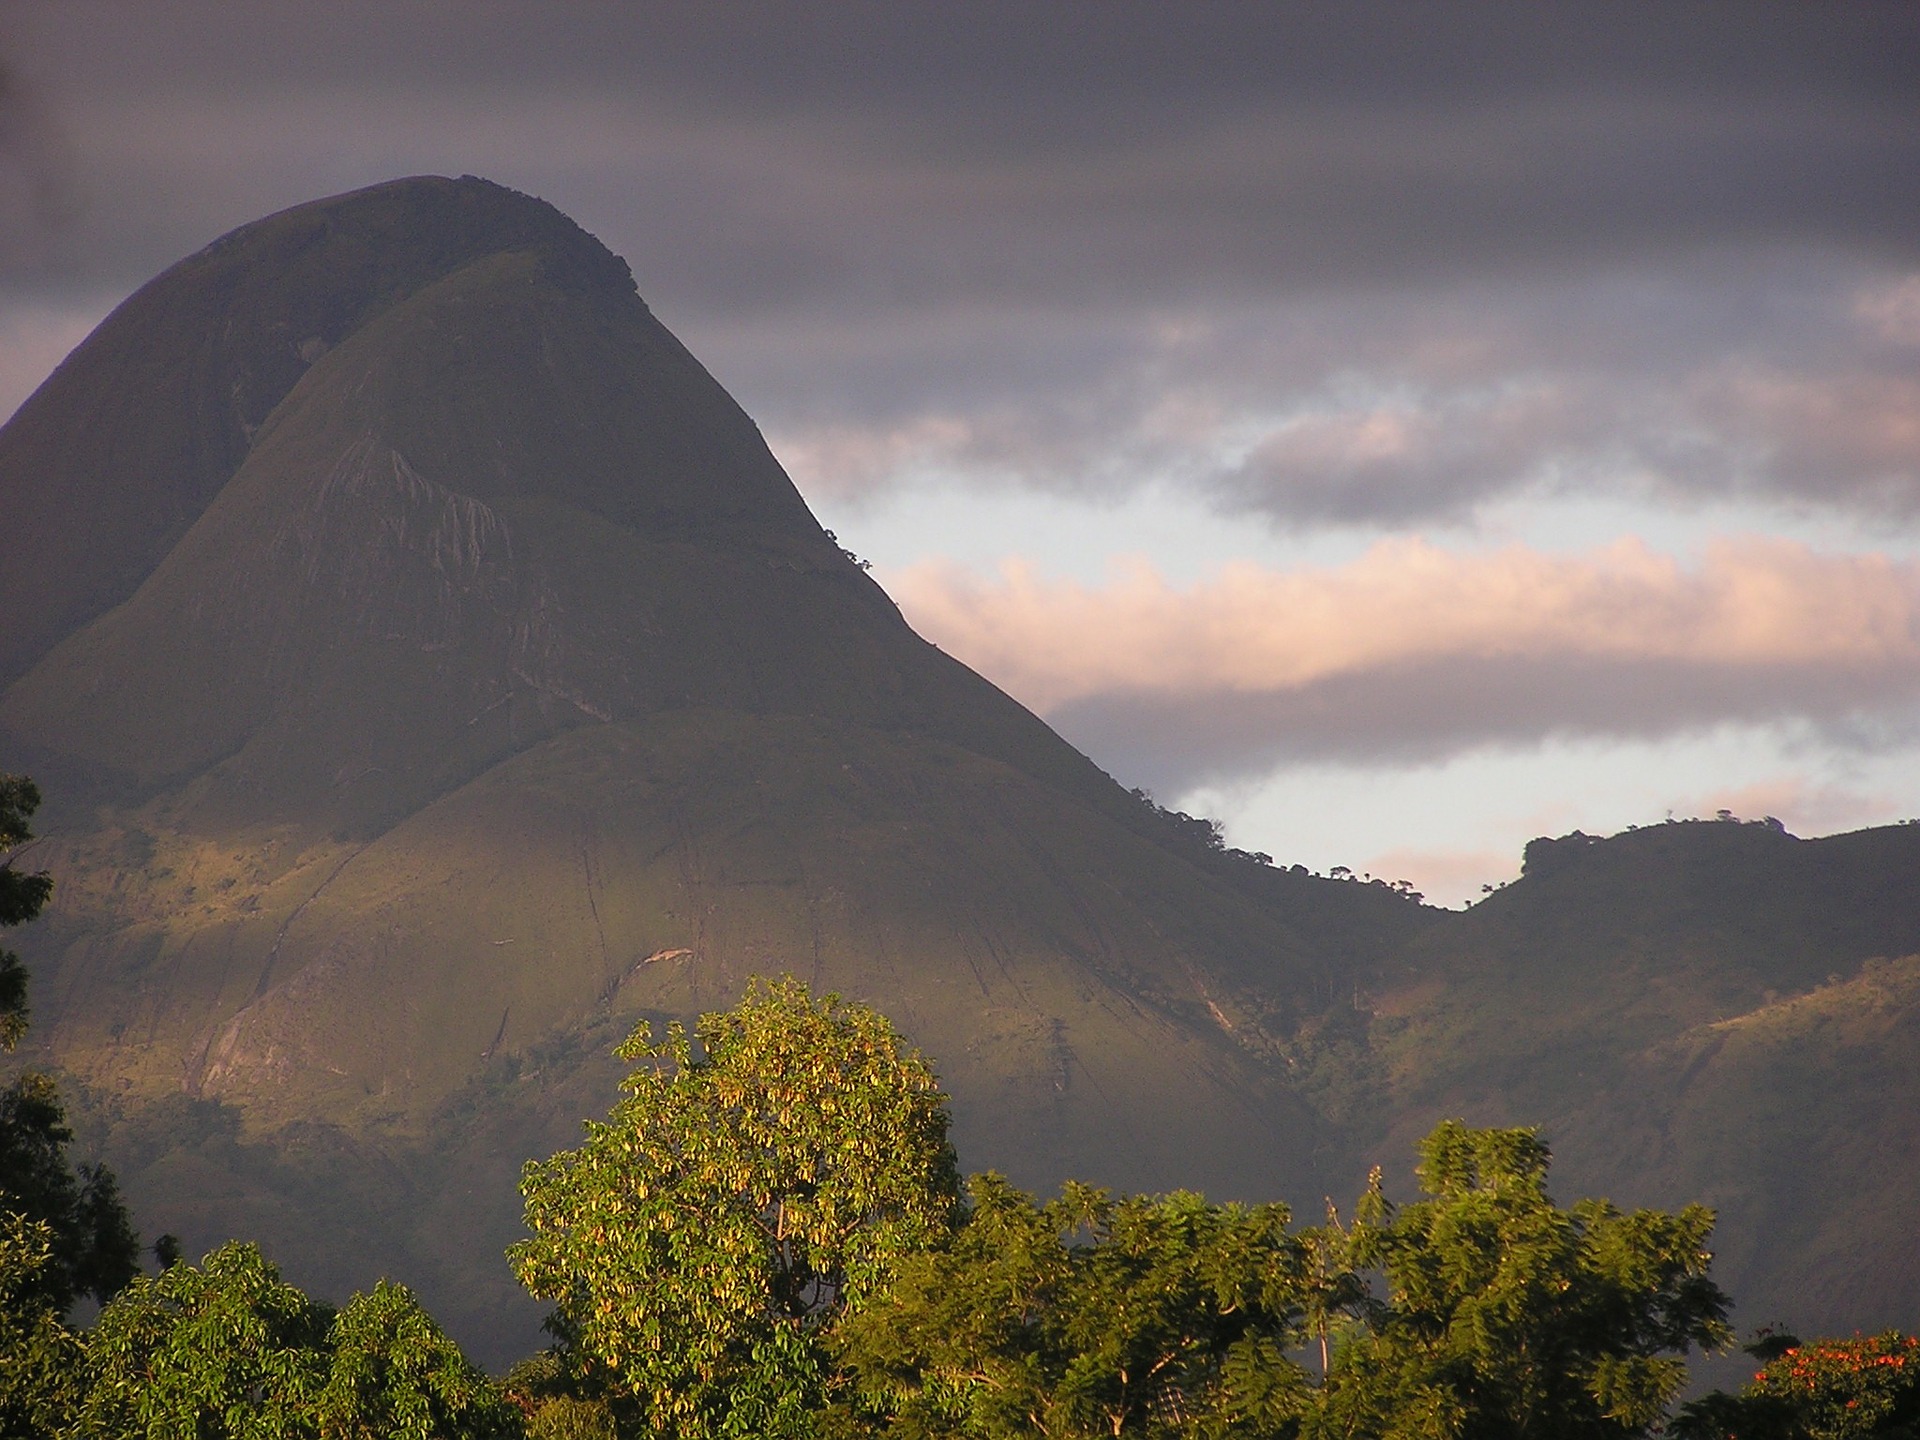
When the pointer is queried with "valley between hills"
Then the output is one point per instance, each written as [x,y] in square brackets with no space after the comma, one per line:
[431,673]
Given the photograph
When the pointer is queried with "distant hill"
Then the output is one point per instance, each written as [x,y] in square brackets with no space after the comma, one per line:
[431,672]
[1701,1010]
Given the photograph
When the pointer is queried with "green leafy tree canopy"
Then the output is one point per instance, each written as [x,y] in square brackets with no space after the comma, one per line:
[93,1248]
[1088,1316]
[1507,1316]
[22,893]
[394,1374]
[227,1350]
[39,1355]
[734,1202]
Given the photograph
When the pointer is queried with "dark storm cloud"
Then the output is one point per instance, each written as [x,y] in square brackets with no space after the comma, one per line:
[981,149]
[1043,244]
[35,196]
[1792,379]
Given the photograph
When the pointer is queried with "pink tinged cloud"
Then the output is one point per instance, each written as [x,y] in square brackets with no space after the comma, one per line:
[1804,806]
[1418,652]
[1891,311]
[1445,877]
[1750,601]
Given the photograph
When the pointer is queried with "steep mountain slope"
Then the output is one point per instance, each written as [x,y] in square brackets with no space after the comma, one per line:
[455,677]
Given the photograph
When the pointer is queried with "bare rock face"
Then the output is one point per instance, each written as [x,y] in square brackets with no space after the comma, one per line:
[440,674]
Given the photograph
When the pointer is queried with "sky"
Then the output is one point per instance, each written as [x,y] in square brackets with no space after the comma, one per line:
[1394,430]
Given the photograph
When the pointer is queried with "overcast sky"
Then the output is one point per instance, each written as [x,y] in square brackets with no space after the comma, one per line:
[1396,430]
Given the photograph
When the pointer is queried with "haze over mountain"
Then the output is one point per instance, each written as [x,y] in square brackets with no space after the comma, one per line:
[432,672]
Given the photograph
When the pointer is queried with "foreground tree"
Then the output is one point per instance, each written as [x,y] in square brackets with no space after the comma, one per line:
[64,1233]
[218,1351]
[227,1350]
[1507,1316]
[1862,1388]
[733,1205]
[93,1250]
[1086,1317]
[39,1355]
[22,894]
[394,1374]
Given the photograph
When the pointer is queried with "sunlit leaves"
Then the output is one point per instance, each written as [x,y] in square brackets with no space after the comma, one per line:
[1088,1316]
[39,1356]
[223,1351]
[1833,1389]
[227,1350]
[394,1374]
[734,1202]
[1508,1316]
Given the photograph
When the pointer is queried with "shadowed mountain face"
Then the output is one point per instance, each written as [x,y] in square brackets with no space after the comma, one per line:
[1705,1011]
[432,673]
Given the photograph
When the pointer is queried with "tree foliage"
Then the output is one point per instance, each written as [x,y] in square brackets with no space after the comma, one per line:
[734,1203]
[227,1350]
[394,1374]
[39,1355]
[764,1239]
[92,1248]
[21,896]
[1858,1388]
[1089,1316]
[1507,1316]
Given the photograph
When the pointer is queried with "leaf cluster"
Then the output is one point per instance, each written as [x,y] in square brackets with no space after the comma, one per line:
[764,1239]
[227,1350]
[1087,1316]
[22,894]
[1506,1315]
[39,1355]
[91,1246]
[94,1248]
[1858,1388]
[734,1202]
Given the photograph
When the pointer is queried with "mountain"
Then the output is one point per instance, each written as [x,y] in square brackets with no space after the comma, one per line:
[432,673]
[1704,1010]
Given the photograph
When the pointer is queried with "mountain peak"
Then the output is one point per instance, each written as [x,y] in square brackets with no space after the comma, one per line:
[97,491]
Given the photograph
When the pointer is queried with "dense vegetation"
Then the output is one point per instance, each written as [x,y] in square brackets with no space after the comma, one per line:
[768,1237]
